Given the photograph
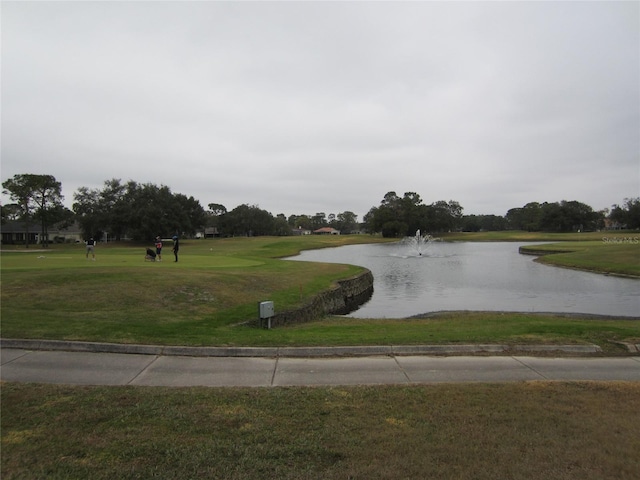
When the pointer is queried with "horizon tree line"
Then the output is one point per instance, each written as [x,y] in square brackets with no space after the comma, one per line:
[143,211]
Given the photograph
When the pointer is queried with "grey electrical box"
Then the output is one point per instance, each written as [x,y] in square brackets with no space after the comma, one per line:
[266,312]
[266,309]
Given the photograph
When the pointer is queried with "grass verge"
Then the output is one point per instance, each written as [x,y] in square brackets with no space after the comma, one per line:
[533,430]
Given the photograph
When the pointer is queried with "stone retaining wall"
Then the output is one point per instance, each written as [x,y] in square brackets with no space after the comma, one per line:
[538,252]
[345,297]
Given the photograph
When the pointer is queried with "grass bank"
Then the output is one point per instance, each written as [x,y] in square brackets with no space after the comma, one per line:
[58,294]
[595,256]
[533,430]
[603,252]
[522,236]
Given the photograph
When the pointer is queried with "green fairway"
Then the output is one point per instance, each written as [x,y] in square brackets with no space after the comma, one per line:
[52,259]
[207,297]
[58,293]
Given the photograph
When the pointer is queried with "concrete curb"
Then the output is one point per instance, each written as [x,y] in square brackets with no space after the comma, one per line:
[294,352]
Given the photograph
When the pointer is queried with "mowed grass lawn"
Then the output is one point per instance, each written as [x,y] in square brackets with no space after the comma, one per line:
[605,252]
[524,430]
[610,258]
[58,293]
[207,297]
[516,431]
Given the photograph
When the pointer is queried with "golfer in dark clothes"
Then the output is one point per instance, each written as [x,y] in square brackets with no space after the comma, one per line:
[176,246]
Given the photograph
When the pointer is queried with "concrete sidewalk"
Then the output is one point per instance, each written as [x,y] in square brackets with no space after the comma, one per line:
[95,364]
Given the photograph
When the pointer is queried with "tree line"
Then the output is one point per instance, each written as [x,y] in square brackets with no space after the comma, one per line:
[403,216]
[142,211]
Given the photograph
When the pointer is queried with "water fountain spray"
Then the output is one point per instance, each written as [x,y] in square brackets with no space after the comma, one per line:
[418,244]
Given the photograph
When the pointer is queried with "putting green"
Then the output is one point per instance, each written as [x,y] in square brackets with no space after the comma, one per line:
[221,261]
[52,259]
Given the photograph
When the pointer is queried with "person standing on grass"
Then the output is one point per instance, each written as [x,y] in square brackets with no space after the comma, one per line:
[176,246]
[91,248]
[159,248]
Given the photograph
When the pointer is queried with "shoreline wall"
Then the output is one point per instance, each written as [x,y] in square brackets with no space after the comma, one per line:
[539,252]
[346,296]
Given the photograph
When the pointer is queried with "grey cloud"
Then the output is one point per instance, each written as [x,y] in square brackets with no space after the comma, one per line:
[325,106]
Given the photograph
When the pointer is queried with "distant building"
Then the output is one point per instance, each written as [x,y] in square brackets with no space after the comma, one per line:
[211,232]
[300,231]
[15,233]
[69,234]
[612,225]
[326,231]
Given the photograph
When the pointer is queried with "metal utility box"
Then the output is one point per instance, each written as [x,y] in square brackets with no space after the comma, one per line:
[266,311]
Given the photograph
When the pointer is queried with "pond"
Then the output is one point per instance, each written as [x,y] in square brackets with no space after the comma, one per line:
[477,276]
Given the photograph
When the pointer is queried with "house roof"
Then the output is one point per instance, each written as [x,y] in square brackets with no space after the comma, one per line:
[16,226]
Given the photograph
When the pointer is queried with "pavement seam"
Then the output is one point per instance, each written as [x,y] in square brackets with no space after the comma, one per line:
[404,372]
[275,371]
[26,352]
[142,370]
[521,362]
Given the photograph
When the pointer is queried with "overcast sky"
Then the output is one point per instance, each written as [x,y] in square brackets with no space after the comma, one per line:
[306,107]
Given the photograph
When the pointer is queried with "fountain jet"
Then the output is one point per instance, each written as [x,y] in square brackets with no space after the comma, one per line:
[418,244]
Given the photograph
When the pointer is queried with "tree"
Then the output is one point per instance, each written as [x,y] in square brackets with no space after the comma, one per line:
[493,223]
[526,218]
[190,216]
[564,216]
[567,216]
[346,222]
[100,211]
[48,198]
[627,215]
[319,220]
[212,216]
[394,228]
[10,212]
[368,221]
[21,189]
[485,223]
[40,197]
[300,222]
[444,216]
[156,210]
[413,214]
[88,212]
[114,207]
[248,221]
[388,217]
[404,216]
[281,226]
[217,209]
[143,211]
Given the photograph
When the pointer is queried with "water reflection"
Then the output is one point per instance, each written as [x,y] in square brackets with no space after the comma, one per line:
[478,276]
